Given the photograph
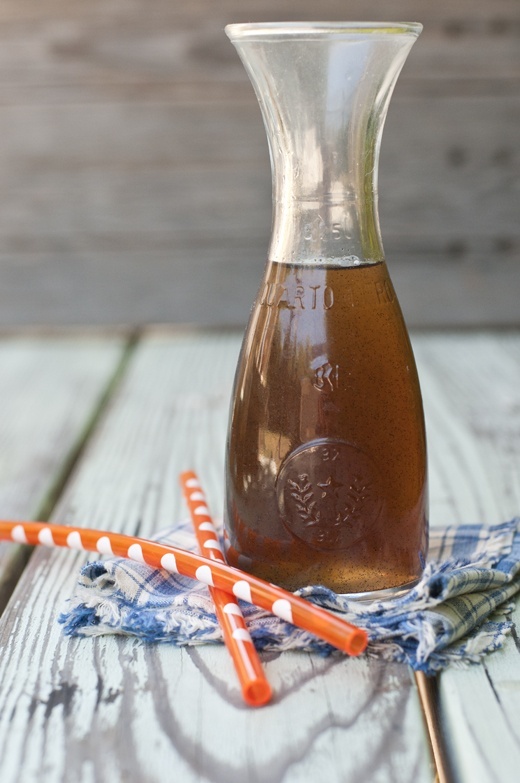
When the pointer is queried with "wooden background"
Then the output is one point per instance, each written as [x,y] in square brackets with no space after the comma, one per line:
[134,174]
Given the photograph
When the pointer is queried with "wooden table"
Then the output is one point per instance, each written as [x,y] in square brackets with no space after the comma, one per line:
[94,430]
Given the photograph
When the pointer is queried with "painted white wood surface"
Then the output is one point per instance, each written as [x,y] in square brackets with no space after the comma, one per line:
[113,709]
[471,389]
[49,390]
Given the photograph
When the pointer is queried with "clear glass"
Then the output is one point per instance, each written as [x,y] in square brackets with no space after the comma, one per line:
[326,478]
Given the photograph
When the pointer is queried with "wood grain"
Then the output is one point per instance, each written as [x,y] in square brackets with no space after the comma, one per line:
[471,389]
[115,709]
[49,392]
[133,161]
[112,708]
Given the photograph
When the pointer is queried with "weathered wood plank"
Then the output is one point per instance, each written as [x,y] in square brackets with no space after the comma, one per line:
[49,392]
[49,47]
[470,384]
[130,177]
[481,12]
[104,709]
[131,127]
[471,401]
[470,387]
[209,285]
[142,232]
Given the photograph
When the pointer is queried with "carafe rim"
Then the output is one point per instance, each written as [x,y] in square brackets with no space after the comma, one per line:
[311,30]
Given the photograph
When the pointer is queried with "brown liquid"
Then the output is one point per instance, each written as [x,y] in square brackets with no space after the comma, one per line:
[326,461]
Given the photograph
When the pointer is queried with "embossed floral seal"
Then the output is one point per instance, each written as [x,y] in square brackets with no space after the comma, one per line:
[328,494]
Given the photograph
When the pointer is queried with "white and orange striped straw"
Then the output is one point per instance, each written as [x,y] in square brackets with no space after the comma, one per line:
[332,629]
[255,687]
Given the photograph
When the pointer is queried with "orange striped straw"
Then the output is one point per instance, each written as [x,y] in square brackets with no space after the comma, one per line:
[255,688]
[329,627]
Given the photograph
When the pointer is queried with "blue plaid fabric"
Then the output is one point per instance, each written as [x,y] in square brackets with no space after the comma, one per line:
[457,613]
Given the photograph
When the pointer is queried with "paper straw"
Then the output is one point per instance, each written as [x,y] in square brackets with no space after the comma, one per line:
[332,629]
[255,688]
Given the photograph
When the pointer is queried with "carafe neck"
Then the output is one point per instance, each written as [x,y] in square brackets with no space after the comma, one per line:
[324,92]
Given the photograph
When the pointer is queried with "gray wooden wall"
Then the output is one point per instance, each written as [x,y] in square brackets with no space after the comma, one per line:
[134,173]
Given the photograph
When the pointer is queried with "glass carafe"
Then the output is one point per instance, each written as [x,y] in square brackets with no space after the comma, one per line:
[326,455]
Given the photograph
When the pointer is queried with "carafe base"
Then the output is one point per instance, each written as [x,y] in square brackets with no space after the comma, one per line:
[380,595]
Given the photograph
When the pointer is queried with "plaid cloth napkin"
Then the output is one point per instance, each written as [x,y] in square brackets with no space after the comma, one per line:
[457,613]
